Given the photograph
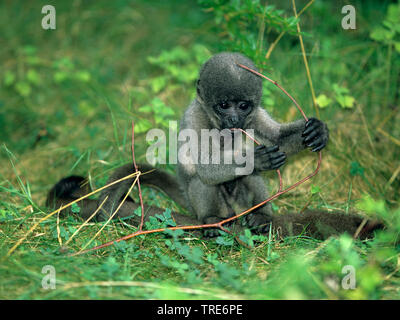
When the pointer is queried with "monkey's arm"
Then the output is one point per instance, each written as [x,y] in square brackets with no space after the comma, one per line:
[213,174]
[291,137]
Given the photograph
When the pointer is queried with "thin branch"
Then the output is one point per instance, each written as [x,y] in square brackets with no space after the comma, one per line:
[303,51]
[111,216]
[138,182]
[273,44]
[278,85]
[86,221]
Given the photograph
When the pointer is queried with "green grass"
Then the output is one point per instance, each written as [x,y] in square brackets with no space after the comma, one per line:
[69,108]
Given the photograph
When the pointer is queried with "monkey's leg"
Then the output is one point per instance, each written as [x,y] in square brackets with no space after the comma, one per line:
[257,192]
[209,204]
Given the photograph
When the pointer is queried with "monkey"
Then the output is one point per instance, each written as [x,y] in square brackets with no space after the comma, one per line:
[228,98]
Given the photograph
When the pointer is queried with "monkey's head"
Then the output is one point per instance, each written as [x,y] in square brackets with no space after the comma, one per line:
[229,93]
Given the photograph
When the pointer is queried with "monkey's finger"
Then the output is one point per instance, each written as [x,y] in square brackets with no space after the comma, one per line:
[282,158]
[310,128]
[311,136]
[261,154]
[317,142]
[274,155]
[272,149]
[278,159]
[277,165]
[318,148]
[311,121]
[260,150]
[260,147]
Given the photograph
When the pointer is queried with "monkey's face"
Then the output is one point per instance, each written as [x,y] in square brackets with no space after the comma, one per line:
[229,93]
[232,114]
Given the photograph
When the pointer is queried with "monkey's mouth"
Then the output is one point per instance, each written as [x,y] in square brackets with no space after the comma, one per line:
[231,125]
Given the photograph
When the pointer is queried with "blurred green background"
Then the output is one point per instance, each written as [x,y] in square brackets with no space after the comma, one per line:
[68,96]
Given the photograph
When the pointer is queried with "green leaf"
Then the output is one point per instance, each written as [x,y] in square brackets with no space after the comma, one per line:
[29,50]
[60,76]
[393,14]
[158,83]
[63,63]
[9,78]
[339,90]
[381,34]
[345,101]
[315,189]
[23,88]
[225,240]
[146,109]
[83,76]
[111,266]
[75,208]
[370,205]
[397,46]
[143,126]
[323,101]
[86,108]
[33,76]
[138,211]
[32,60]
[356,169]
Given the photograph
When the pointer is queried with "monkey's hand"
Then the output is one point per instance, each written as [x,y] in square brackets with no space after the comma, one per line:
[316,134]
[268,158]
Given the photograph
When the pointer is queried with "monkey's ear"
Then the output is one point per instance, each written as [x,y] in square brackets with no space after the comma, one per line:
[198,88]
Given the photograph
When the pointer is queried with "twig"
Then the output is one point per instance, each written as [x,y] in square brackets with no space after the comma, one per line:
[278,85]
[273,44]
[391,138]
[87,221]
[111,216]
[138,180]
[306,62]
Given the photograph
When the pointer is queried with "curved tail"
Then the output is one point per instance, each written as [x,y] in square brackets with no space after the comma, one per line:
[156,178]
[73,187]
[323,224]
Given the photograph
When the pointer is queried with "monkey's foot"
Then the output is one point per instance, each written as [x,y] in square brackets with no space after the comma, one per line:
[214,232]
[258,222]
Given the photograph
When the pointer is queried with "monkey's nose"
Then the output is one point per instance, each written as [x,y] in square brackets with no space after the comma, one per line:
[235,120]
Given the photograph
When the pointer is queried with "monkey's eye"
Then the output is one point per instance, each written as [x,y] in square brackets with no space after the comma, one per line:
[223,105]
[244,106]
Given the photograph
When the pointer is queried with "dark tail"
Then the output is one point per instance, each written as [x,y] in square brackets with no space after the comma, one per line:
[69,189]
[323,224]
[73,187]
[157,178]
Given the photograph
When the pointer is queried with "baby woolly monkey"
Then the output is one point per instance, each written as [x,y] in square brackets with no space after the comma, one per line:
[228,97]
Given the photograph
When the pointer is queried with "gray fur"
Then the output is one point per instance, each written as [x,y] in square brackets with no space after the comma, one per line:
[215,191]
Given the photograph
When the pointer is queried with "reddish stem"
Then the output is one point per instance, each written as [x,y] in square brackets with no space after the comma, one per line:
[278,85]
